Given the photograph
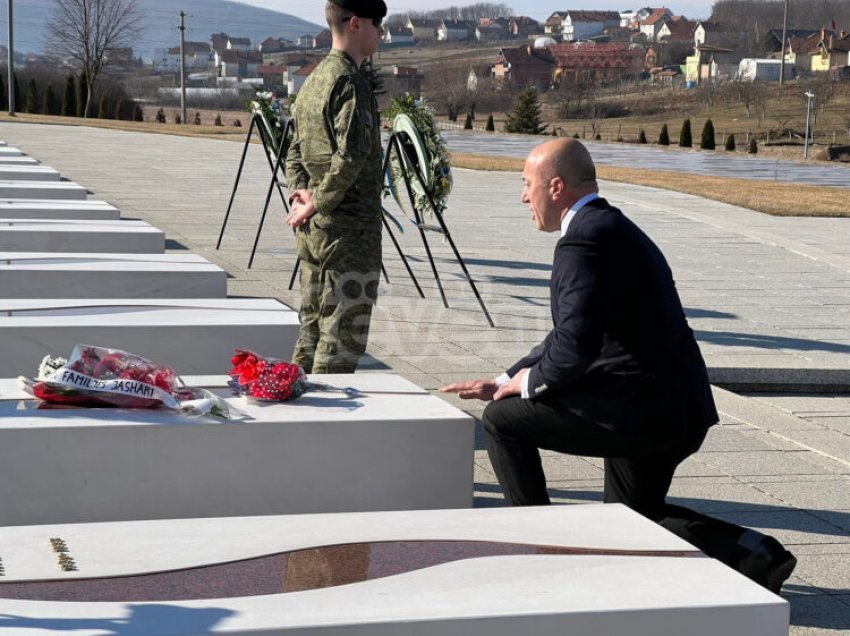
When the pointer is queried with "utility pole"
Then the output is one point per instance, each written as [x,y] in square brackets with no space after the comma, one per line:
[11,75]
[784,38]
[183,68]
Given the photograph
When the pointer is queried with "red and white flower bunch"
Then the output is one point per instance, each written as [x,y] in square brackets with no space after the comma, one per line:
[266,378]
[102,377]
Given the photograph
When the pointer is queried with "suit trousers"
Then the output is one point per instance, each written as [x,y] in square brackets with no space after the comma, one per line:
[639,468]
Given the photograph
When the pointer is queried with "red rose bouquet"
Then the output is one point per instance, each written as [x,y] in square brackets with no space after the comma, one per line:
[101,377]
[266,378]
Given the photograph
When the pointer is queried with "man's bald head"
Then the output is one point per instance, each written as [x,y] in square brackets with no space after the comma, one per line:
[567,159]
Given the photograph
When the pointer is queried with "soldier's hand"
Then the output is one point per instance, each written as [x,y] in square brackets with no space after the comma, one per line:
[472,389]
[299,213]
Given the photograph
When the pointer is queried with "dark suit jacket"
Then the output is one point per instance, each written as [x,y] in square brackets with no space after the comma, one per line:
[621,352]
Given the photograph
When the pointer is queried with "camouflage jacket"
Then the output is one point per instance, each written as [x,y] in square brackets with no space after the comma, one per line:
[336,150]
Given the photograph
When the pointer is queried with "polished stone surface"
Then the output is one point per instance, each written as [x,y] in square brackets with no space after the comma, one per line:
[58,209]
[191,335]
[50,275]
[60,235]
[389,446]
[41,190]
[501,591]
[27,173]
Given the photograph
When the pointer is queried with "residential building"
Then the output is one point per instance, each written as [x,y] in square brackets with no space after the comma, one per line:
[600,63]
[650,25]
[714,64]
[297,79]
[555,23]
[454,31]
[751,69]
[719,35]
[832,52]
[398,36]
[275,45]
[272,76]
[628,18]
[239,44]
[237,64]
[403,79]
[676,31]
[521,26]
[772,40]
[323,39]
[198,57]
[524,66]
[582,25]
[423,30]
[490,33]
[800,51]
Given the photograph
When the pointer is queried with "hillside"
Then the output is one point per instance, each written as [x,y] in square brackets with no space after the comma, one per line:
[161,18]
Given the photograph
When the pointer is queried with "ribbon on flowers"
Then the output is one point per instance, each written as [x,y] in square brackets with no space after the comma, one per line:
[120,386]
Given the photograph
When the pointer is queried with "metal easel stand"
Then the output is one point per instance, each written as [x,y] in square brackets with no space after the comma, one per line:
[270,150]
[396,144]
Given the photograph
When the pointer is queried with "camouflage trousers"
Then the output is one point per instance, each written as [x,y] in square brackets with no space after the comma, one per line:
[340,268]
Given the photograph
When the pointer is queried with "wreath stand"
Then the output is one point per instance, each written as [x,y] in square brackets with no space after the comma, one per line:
[399,143]
[275,155]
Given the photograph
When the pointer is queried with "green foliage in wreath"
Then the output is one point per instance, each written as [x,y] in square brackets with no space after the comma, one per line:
[439,172]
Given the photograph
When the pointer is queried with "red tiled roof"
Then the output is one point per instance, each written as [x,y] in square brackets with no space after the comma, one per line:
[804,45]
[594,16]
[307,68]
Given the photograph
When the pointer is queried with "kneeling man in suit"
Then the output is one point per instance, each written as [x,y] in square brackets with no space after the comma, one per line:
[619,376]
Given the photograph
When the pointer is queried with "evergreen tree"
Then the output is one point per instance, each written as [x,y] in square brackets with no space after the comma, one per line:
[217,121]
[491,126]
[4,100]
[82,95]
[525,116]
[48,104]
[642,136]
[754,147]
[119,110]
[664,136]
[467,125]
[197,121]
[598,137]
[177,119]
[103,108]
[707,141]
[160,116]
[730,143]
[138,113]
[31,105]
[69,98]
[685,138]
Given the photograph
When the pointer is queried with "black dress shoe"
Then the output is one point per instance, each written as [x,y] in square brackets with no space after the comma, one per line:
[768,564]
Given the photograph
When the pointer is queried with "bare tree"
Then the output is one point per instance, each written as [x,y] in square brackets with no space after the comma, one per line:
[446,87]
[823,89]
[84,31]
[751,95]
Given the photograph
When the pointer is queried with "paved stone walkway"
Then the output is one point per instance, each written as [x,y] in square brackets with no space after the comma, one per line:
[768,297]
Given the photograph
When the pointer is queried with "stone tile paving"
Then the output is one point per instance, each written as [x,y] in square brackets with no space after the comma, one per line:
[764,295]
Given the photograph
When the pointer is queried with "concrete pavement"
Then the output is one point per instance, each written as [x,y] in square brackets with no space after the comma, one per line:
[768,297]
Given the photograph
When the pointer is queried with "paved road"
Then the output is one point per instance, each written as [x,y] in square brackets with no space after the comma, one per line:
[718,163]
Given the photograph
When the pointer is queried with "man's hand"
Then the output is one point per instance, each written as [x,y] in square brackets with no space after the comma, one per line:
[301,208]
[472,389]
[512,386]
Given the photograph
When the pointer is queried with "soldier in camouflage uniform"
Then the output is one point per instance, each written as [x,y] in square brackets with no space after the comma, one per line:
[334,170]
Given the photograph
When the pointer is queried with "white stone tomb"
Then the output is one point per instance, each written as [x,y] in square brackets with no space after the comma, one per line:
[71,275]
[60,235]
[547,571]
[42,190]
[83,210]
[390,446]
[18,160]
[27,173]
[195,336]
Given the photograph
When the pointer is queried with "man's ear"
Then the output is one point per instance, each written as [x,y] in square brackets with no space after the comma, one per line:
[556,187]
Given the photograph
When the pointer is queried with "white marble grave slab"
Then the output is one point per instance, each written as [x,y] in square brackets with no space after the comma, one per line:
[28,173]
[57,209]
[392,446]
[652,584]
[50,275]
[42,190]
[10,151]
[60,235]
[18,160]
[195,336]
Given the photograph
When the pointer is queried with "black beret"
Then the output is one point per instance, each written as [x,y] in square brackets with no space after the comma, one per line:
[364,8]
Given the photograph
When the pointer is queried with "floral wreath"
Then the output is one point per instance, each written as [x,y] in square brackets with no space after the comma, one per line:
[436,174]
[269,106]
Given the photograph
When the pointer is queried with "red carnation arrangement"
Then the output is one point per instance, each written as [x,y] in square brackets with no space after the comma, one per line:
[266,378]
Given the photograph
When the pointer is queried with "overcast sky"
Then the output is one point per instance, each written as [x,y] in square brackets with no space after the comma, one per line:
[313,10]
